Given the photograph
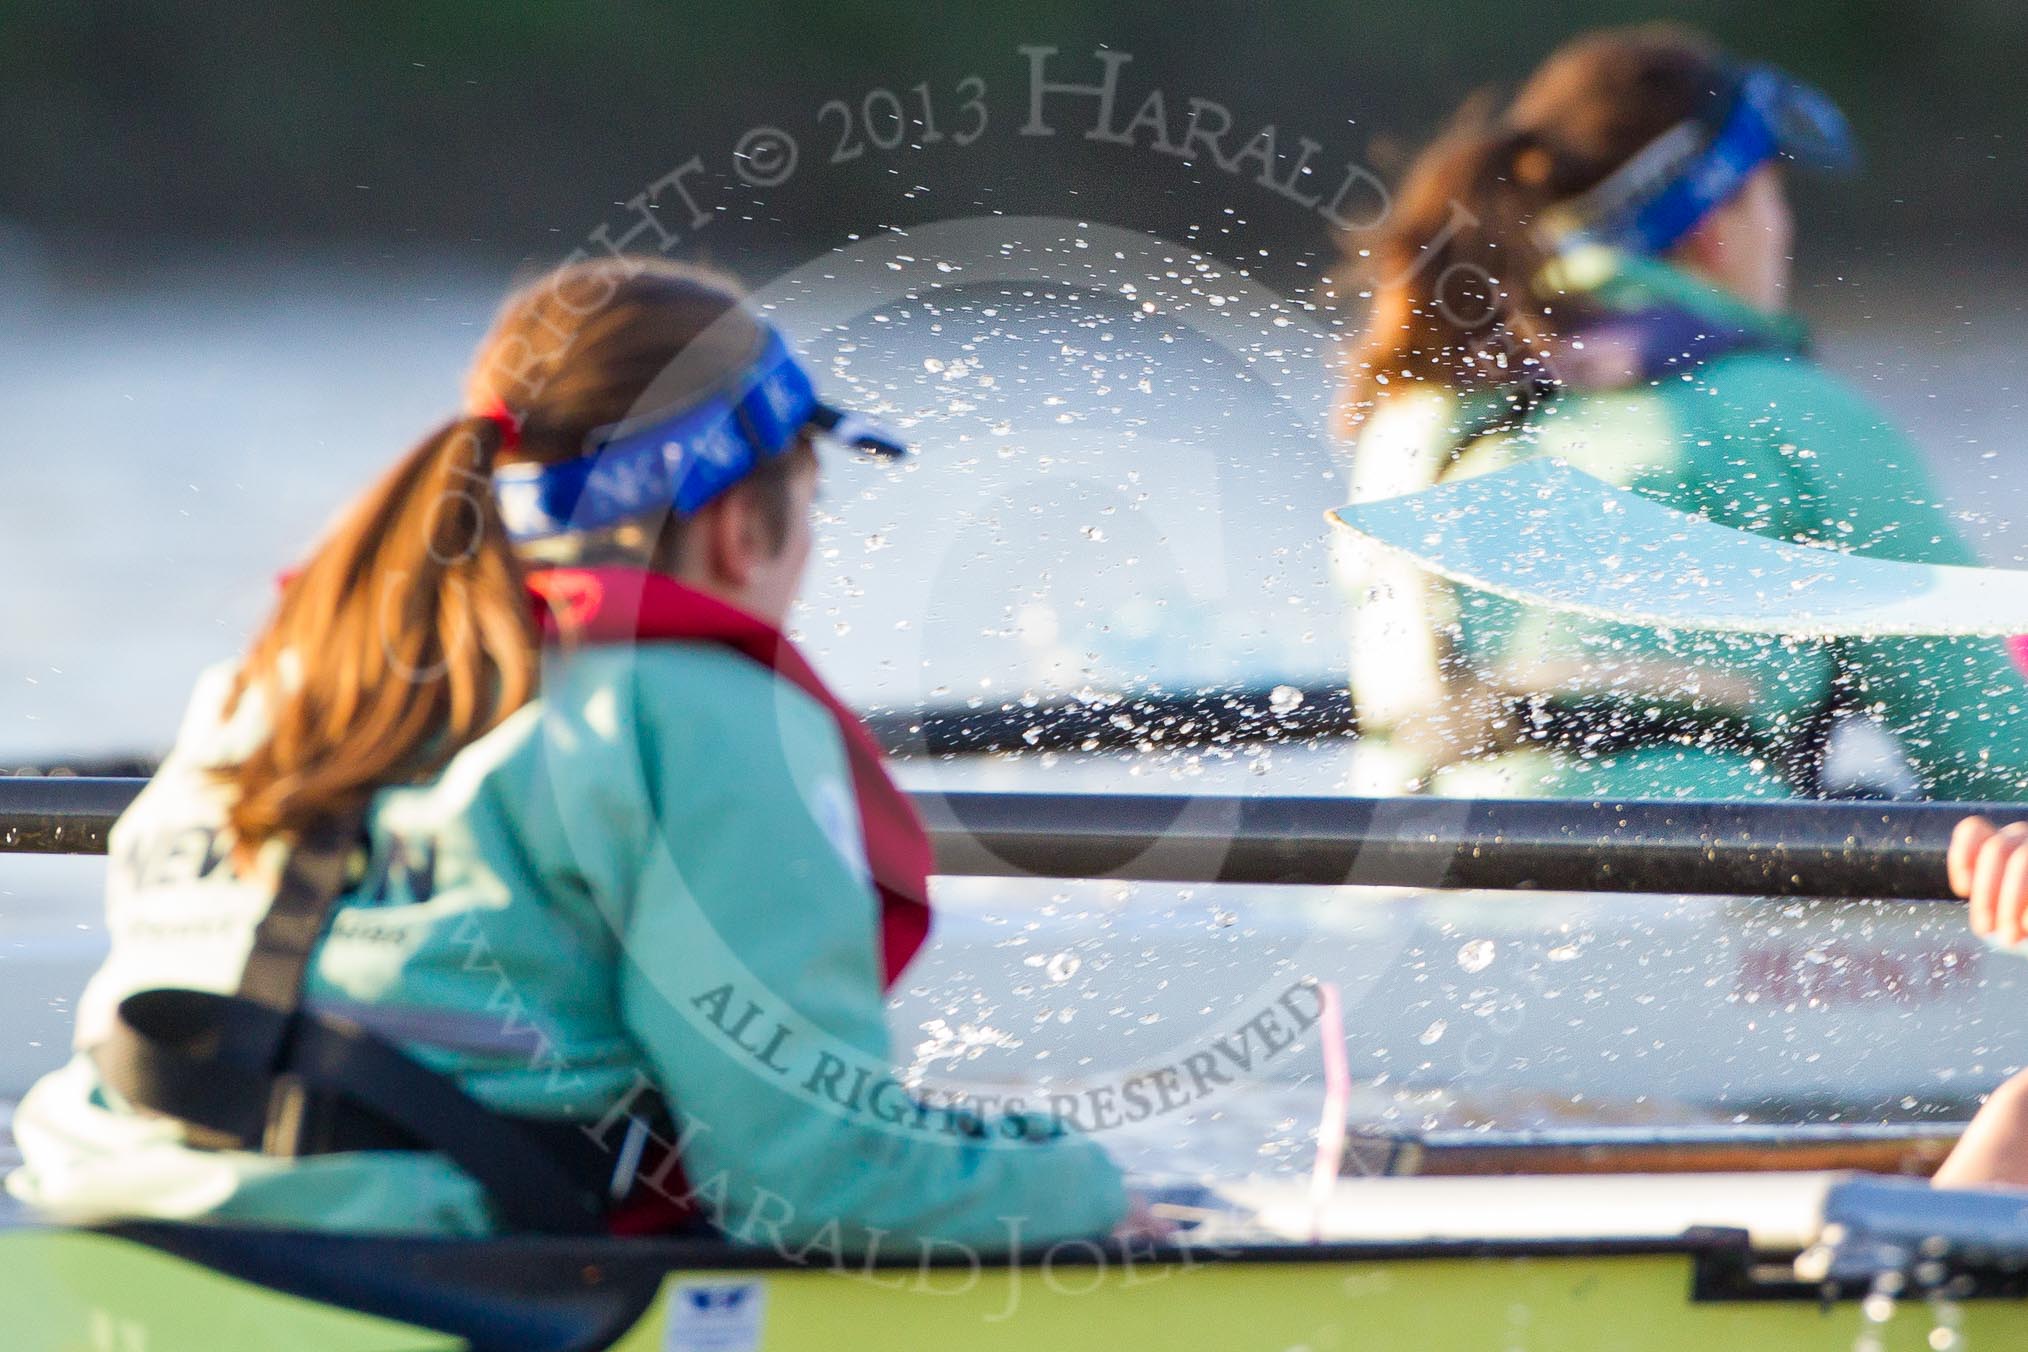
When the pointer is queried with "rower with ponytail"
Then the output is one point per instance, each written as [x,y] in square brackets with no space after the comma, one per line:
[1598,271]
[434,919]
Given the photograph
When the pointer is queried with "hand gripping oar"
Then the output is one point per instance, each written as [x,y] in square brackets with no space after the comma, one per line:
[1550,535]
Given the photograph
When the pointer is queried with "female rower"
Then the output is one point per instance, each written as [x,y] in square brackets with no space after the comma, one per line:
[1598,273]
[523,875]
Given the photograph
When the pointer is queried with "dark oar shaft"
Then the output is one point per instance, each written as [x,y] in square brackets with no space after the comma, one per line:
[1823,849]
[1827,849]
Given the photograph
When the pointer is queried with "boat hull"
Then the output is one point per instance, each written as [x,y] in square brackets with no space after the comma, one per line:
[144,1289]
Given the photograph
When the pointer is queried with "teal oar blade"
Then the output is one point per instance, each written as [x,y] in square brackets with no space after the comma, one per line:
[1547,534]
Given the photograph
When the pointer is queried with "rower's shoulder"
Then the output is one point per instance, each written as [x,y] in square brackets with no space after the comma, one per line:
[682,665]
[701,689]
[222,723]
[1789,387]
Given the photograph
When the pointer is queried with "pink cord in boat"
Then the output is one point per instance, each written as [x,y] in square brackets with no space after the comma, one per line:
[1337,1103]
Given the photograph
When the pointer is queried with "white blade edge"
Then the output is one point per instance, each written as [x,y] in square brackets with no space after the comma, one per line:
[1550,535]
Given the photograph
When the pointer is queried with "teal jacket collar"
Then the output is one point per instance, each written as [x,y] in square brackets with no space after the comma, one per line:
[1625,320]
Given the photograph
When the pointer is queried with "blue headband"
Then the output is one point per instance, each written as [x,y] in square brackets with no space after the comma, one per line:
[680,459]
[1660,194]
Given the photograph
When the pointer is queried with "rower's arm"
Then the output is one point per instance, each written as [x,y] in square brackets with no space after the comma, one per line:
[754,988]
[1958,706]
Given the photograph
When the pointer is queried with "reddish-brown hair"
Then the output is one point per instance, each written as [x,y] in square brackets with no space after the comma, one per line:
[1453,267]
[407,634]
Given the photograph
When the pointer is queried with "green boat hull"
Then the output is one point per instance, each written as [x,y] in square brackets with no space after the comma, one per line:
[192,1289]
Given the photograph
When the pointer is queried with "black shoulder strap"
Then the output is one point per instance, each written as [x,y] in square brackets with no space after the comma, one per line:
[313,878]
[254,1070]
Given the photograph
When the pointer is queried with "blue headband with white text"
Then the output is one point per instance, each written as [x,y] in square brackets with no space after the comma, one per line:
[1660,195]
[677,460]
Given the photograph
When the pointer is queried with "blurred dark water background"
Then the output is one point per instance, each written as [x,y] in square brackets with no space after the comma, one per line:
[384,128]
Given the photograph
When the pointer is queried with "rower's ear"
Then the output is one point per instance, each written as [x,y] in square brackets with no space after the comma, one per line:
[729,540]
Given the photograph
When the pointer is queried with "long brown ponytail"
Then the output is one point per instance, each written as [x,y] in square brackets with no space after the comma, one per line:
[403,638]
[1454,269]
[407,634]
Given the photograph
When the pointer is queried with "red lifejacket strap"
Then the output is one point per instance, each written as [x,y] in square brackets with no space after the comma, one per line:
[625,605]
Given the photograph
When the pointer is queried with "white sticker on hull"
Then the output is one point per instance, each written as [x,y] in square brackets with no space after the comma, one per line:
[715,1317]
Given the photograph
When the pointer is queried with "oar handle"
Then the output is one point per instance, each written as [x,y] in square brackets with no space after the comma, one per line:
[1758,849]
